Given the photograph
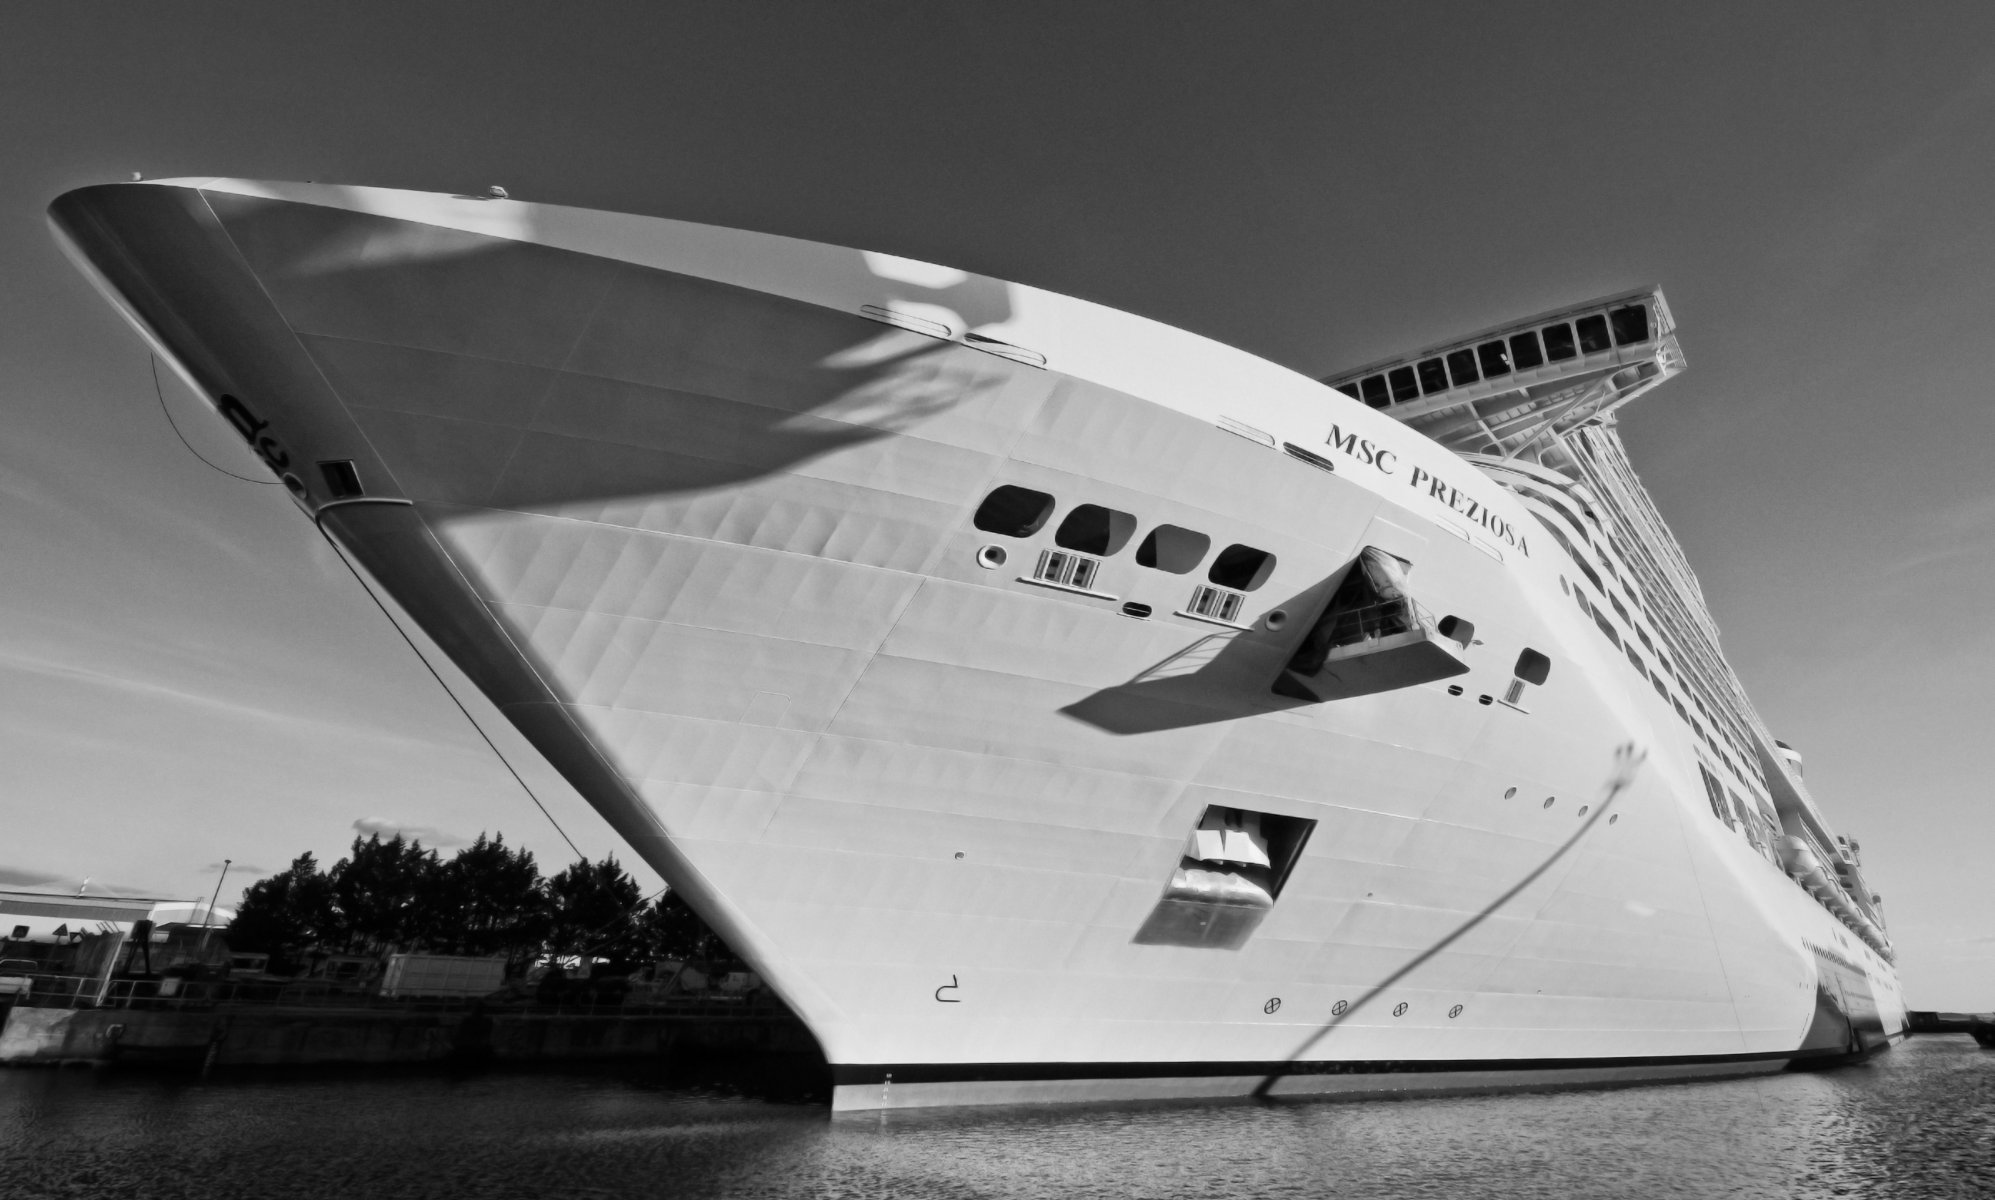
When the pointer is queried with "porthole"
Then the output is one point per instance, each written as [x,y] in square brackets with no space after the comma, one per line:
[1549,801]
[1508,793]
[296,485]
[1454,689]
[1583,808]
[1614,818]
[990,558]
[1399,1009]
[1454,1012]
[1338,1009]
[1277,619]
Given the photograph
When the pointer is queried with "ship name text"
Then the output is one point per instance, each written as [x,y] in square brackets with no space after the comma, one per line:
[1385,461]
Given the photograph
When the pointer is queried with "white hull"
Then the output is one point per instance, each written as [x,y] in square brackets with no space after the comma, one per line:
[704,532]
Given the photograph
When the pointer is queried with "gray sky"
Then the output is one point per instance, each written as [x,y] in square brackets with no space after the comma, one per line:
[186,674]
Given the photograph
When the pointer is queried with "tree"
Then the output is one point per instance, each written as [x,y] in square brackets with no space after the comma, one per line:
[383,890]
[492,901]
[287,914]
[595,911]
[670,929]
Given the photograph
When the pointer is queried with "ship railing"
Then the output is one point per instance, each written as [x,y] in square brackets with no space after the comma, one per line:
[1374,621]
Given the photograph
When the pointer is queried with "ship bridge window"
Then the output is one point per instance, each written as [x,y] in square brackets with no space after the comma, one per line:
[1173,549]
[1013,511]
[1494,357]
[1558,342]
[1524,351]
[1403,386]
[1373,389]
[1592,333]
[1631,324]
[1241,568]
[1461,367]
[1433,376]
[1092,529]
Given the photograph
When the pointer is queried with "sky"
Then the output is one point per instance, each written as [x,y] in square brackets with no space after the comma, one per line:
[187,675]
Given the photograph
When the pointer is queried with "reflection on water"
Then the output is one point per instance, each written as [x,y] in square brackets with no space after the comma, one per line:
[1918,1121]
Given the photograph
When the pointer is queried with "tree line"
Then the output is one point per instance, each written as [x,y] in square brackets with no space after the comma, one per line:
[488,899]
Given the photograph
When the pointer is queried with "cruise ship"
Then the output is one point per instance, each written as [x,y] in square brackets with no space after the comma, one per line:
[1051,704]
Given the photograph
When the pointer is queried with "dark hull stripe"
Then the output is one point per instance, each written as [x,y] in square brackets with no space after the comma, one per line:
[902,1073]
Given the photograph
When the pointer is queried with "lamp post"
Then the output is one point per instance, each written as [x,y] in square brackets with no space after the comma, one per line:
[210,915]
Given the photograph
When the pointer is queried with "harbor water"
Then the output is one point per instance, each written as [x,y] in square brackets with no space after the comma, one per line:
[1918,1121]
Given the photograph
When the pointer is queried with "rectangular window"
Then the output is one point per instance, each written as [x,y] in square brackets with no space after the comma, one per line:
[1373,389]
[1525,353]
[1215,603]
[1607,627]
[1635,660]
[1746,821]
[1656,682]
[1558,342]
[1680,710]
[1716,795]
[1433,377]
[1495,359]
[1619,611]
[1631,324]
[1063,569]
[1403,386]
[1592,334]
[1461,367]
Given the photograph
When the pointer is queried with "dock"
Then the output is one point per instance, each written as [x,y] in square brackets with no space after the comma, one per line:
[251,1035]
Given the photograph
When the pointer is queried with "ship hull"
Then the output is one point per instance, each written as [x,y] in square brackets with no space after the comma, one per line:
[707,538]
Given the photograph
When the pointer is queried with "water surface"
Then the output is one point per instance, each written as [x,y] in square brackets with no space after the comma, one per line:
[1916,1122]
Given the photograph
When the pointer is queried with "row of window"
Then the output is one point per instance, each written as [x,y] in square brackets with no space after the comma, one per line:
[1745,763]
[1613,634]
[1020,512]
[1625,326]
[1759,825]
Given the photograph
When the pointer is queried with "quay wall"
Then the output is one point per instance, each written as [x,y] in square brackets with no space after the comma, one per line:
[262,1036]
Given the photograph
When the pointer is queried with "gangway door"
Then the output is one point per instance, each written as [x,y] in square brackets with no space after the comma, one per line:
[1373,637]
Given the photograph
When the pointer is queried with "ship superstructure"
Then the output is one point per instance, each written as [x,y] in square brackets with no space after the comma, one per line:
[1051,704]
[1532,403]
